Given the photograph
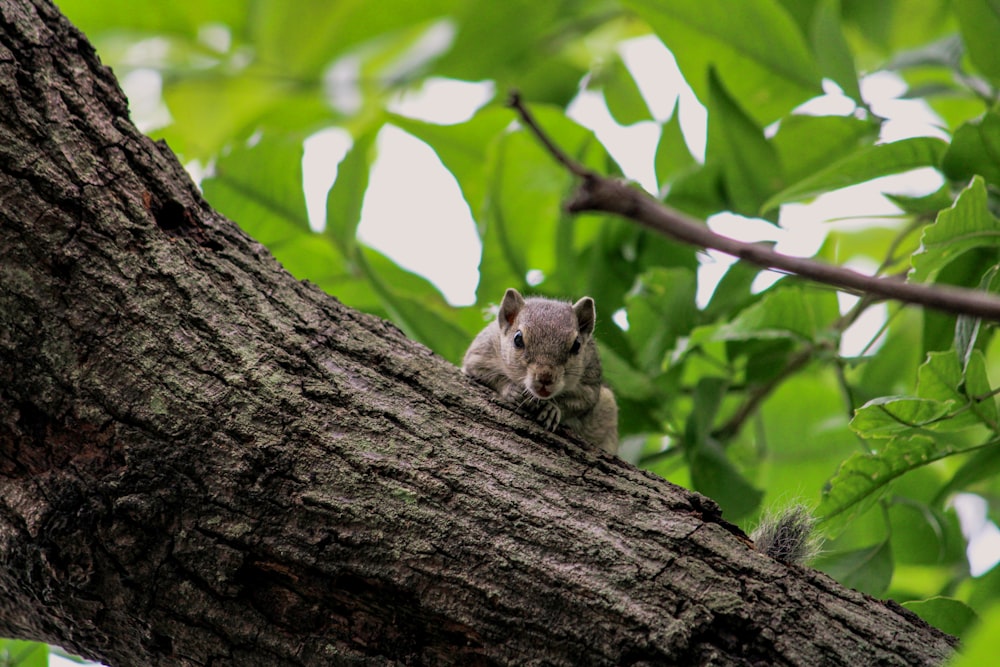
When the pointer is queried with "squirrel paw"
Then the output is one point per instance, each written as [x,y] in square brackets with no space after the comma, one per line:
[549,415]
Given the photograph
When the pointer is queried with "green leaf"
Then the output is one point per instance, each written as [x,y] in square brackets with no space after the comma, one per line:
[754,45]
[864,165]
[980,645]
[708,396]
[832,52]
[808,144]
[21,653]
[888,416]
[523,225]
[922,534]
[942,378]
[305,47]
[865,478]
[661,307]
[946,614]
[621,94]
[966,225]
[713,474]
[733,292]
[699,192]
[784,312]
[967,327]
[975,149]
[867,570]
[983,465]
[979,21]
[627,381]
[260,187]
[672,154]
[344,200]
[518,44]
[213,109]
[184,18]
[926,204]
[751,169]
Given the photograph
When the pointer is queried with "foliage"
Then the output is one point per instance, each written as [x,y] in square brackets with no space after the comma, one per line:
[749,397]
[17,653]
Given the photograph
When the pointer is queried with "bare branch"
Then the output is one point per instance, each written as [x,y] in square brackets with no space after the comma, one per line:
[600,193]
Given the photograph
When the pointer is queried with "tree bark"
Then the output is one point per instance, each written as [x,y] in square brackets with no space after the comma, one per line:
[206,461]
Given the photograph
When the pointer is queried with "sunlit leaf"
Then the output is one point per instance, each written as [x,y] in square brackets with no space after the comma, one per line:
[832,52]
[628,381]
[158,18]
[979,646]
[305,47]
[926,204]
[660,308]
[524,211]
[343,202]
[260,187]
[942,378]
[672,153]
[891,415]
[19,653]
[751,169]
[786,312]
[923,534]
[809,144]
[768,68]
[975,149]
[980,24]
[966,225]
[984,464]
[864,478]
[621,94]
[864,165]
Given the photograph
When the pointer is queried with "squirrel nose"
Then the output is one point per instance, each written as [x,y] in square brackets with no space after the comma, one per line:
[545,377]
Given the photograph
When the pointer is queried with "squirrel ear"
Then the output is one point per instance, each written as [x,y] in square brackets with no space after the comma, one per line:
[509,307]
[585,315]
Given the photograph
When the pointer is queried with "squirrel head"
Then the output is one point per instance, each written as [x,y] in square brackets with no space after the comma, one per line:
[545,344]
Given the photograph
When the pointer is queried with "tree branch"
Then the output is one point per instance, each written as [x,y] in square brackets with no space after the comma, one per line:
[600,193]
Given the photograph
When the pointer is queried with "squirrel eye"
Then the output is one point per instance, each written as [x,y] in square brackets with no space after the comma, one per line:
[576,347]
[519,340]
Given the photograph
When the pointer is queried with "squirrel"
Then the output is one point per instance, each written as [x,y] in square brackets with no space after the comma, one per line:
[539,355]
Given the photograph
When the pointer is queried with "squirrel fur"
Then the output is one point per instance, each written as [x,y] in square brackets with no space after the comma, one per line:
[539,355]
[788,536]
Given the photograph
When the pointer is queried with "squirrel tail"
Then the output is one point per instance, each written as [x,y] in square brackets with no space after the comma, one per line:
[788,536]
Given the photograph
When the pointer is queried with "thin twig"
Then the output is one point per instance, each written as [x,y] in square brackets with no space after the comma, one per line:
[515,102]
[600,193]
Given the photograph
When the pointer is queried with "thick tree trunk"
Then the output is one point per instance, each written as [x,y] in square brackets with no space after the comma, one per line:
[205,461]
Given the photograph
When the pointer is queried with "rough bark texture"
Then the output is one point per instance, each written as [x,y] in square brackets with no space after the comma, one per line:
[205,461]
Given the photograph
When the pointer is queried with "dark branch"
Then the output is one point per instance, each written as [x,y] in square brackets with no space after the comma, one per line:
[600,193]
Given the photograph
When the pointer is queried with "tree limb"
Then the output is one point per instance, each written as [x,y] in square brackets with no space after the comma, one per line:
[600,193]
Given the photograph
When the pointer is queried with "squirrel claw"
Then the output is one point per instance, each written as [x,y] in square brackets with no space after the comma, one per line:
[549,415]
